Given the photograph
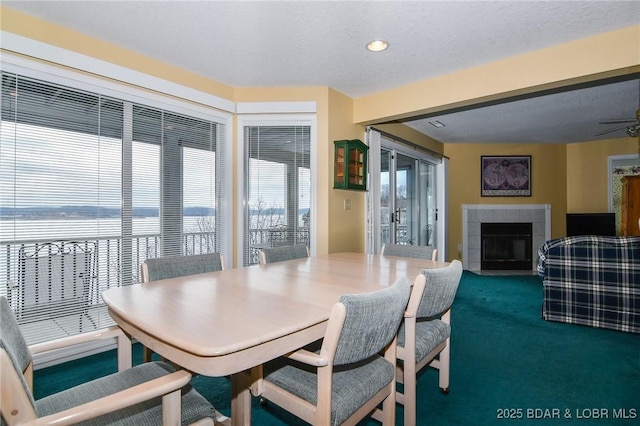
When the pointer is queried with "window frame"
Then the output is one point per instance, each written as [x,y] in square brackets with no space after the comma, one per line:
[267,115]
[80,80]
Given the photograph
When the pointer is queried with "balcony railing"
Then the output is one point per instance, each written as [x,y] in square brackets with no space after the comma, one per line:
[113,262]
[110,262]
[274,237]
[56,292]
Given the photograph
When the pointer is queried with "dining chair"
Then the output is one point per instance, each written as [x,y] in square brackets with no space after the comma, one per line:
[408,250]
[347,378]
[55,280]
[424,335]
[161,268]
[147,394]
[279,254]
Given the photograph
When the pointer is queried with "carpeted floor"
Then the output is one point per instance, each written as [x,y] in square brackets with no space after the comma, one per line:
[507,365]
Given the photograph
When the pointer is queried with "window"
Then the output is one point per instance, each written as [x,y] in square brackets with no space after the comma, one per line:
[90,186]
[277,187]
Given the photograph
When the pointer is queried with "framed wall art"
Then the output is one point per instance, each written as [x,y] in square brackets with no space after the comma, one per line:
[505,176]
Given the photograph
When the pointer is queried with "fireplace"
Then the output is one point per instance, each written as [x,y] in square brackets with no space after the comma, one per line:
[506,246]
[473,215]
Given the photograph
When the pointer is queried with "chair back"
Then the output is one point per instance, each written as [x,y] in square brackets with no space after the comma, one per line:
[54,277]
[440,291]
[279,254]
[161,268]
[280,236]
[408,250]
[12,343]
[372,321]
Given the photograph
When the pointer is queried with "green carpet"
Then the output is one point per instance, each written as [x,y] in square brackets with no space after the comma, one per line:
[507,366]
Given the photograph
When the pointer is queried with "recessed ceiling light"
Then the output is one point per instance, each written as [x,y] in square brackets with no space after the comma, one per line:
[377,45]
[436,123]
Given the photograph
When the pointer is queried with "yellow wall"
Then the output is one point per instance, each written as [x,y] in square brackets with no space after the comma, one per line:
[346,227]
[548,183]
[587,172]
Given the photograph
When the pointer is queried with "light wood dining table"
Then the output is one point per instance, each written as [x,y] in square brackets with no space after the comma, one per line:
[226,322]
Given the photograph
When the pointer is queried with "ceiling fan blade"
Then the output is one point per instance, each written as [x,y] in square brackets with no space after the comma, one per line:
[617,121]
[614,129]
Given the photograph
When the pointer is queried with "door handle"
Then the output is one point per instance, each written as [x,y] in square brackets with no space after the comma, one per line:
[395,216]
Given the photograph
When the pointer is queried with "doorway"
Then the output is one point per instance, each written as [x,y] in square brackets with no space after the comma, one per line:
[402,203]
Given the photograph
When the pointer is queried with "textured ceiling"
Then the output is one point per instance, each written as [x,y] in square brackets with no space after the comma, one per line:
[312,43]
[564,117]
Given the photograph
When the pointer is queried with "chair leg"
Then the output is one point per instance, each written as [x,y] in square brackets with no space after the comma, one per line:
[389,409]
[146,354]
[443,374]
[171,408]
[409,394]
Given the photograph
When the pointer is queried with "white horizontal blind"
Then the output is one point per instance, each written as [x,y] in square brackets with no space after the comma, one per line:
[176,161]
[277,187]
[60,198]
[90,186]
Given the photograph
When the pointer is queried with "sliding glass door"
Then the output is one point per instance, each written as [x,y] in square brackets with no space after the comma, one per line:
[403,203]
[406,199]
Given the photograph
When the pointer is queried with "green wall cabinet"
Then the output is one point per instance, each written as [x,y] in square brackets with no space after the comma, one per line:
[350,165]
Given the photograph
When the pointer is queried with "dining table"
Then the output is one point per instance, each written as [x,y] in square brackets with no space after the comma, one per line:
[228,322]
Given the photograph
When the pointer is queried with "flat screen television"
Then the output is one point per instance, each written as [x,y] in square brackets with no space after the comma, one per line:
[591,224]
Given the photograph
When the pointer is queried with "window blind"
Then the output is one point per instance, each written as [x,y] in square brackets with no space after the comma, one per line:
[277,187]
[90,186]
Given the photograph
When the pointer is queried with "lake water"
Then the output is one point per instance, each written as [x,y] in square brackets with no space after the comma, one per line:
[146,231]
[72,228]
[52,229]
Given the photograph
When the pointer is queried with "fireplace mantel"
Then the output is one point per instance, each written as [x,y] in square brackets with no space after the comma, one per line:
[474,214]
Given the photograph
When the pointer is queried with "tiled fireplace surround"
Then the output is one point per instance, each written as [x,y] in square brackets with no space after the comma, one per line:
[475,214]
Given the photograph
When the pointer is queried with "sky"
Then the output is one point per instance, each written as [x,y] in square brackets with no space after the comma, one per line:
[53,167]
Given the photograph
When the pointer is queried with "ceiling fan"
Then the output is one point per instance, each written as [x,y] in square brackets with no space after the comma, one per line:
[633,128]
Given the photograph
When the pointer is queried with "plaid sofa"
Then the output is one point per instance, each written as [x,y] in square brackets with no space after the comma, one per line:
[592,280]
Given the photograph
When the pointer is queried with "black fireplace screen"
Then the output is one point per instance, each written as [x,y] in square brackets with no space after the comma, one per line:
[506,246]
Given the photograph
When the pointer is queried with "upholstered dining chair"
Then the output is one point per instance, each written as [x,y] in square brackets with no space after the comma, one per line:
[147,394]
[408,250]
[279,254]
[161,268]
[347,378]
[424,336]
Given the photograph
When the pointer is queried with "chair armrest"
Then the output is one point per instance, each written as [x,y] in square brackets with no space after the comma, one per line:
[309,358]
[123,343]
[301,355]
[417,290]
[78,339]
[143,392]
